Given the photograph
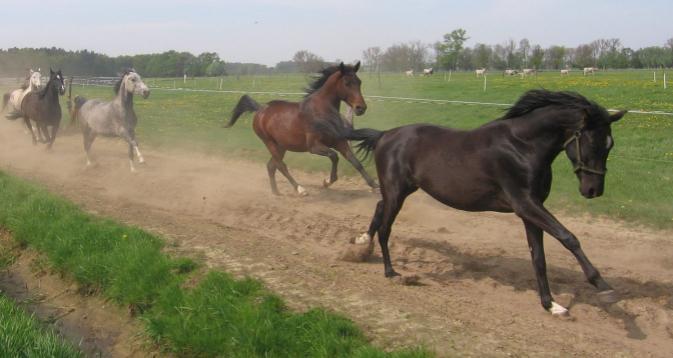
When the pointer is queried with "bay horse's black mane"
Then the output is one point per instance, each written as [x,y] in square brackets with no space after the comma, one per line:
[539,98]
[118,84]
[321,77]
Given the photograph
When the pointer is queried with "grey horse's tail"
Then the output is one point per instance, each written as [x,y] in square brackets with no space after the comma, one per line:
[74,107]
[368,139]
[5,100]
[245,104]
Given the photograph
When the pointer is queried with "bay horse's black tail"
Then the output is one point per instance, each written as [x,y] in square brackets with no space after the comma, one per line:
[5,100]
[368,138]
[245,104]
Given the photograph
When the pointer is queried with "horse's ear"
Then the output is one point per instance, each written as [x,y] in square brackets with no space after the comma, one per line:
[51,72]
[357,67]
[342,68]
[31,71]
[617,116]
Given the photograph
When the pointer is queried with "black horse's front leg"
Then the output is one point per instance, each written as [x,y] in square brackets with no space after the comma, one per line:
[345,150]
[535,214]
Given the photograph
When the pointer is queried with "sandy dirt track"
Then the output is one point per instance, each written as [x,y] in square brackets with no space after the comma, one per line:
[477,294]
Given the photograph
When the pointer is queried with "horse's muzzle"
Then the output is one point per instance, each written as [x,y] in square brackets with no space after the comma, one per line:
[146,93]
[360,110]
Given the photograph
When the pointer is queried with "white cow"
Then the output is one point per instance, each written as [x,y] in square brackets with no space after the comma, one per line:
[510,73]
[591,70]
[409,73]
[565,72]
[428,71]
[480,72]
[527,72]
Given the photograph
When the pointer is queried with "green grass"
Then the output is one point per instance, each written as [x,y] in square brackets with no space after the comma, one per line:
[21,335]
[639,182]
[222,316]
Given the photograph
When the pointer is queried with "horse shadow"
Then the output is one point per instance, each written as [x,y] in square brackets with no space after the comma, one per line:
[518,274]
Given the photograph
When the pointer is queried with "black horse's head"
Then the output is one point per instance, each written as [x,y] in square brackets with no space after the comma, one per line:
[56,80]
[588,147]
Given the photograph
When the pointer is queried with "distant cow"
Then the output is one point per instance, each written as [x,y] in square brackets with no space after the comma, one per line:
[510,73]
[565,72]
[428,71]
[528,71]
[591,70]
[409,73]
[480,72]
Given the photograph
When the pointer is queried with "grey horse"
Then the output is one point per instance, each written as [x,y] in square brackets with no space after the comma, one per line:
[116,118]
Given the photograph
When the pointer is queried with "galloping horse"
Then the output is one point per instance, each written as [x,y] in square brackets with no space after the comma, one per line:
[115,118]
[43,107]
[14,98]
[313,125]
[503,166]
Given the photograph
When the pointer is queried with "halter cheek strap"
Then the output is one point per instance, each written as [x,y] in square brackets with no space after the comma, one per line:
[579,164]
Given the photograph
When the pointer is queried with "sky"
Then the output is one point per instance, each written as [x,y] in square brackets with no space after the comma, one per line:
[269,31]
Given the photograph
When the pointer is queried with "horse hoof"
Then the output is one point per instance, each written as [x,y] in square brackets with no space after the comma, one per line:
[608,296]
[301,191]
[363,239]
[391,274]
[557,310]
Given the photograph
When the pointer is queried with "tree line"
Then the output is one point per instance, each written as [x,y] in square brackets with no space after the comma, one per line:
[449,53]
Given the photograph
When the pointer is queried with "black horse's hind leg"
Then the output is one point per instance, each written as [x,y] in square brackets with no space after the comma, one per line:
[52,136]
[333,157]
[346,151]
[30,128]
[534,235]
[394,193]
[536,214]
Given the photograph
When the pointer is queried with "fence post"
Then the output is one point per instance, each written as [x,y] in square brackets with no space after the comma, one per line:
[484,82]
[665,80]
[220,84]
[654,74]
[449,75]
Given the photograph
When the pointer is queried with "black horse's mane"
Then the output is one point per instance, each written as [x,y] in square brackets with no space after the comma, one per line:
[321,77]
[118,84]
[43,92]
[539,98]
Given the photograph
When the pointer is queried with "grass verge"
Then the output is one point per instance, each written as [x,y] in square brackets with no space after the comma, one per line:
[221,316]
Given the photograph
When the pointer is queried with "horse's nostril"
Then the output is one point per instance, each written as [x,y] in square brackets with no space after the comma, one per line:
[592,192]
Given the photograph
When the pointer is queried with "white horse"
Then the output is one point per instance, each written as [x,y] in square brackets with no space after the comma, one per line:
[428,71]
[591,70]
[116,118]
[480,72]
[565,72]
[528,72]
[510,73]
[409,73]
[14,98]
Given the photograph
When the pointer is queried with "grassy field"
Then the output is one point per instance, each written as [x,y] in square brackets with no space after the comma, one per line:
[21,334]
[220,316]
[639,183]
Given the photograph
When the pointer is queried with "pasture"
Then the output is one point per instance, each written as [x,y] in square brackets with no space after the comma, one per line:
[640,169]
[205,189]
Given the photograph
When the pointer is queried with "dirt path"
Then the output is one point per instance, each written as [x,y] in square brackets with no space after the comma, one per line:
[477,294]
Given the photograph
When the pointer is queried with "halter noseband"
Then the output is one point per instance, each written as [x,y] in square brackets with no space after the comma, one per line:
[579,165]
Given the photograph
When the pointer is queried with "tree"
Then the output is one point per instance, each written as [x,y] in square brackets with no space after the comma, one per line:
[372,58]
[536,57]
[401,57]
[449,49]
[308,62]
[481,56]
[524,50]
[555,57]
[584,56]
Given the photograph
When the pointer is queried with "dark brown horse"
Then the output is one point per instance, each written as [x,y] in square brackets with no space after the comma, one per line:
[313,125]
[503,166]
[44,108]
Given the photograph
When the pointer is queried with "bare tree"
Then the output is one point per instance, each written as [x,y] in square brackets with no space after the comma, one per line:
[308,62]
[372,58]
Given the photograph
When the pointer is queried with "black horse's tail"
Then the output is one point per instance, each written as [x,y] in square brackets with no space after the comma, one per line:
[245,104]
[5,100]
[368,139]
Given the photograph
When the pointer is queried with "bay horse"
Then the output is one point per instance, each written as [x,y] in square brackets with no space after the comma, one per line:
[115,118]
[503,166]
[313,125]
[44,108]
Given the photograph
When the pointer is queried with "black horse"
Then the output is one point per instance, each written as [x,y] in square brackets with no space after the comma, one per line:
[43,107]
[503,166]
